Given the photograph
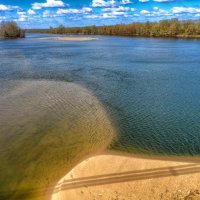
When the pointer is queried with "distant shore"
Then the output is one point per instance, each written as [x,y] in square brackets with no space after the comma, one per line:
[131,178]
[79,37]
[173,28]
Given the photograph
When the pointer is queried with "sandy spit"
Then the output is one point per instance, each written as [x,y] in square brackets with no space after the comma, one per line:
[69,38]
[118,177]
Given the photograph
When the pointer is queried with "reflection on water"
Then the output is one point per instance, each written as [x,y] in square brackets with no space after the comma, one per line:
[46,127]
[150,89]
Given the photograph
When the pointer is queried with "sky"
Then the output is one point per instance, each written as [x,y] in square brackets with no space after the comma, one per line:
[73,13]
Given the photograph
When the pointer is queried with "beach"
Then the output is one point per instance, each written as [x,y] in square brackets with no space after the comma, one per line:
[118,177]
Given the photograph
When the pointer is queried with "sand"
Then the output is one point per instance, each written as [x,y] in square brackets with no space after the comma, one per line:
[69,38]
[117,177]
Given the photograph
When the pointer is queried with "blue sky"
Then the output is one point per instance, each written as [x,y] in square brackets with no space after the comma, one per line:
[46,13]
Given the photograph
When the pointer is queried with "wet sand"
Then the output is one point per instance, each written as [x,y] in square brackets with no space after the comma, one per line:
[110,177]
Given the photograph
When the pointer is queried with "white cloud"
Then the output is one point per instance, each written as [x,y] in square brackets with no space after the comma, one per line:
[164,0]
[22,18]
[144,12]
[84,10]
[118,9]
[2,18]
[155,8]
[48,4]
[31,12]
[7,7]
[177,10]
[126,2]
[21,13]
[92,16]
[47,13]
[156,12]
[109,3]
[103,3]
[143,1]
[159,12]
[113,12]
[113,15]
[108,15]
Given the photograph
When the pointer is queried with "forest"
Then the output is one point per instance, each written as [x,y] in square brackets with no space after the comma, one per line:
[163,28]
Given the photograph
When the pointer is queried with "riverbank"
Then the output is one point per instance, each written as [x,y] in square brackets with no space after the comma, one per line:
[131,178]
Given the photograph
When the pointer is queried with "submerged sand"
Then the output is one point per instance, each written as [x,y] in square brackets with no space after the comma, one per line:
[46,128]
[69,38]
[115,177]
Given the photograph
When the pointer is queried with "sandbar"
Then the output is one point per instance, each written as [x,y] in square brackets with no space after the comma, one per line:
[69,38]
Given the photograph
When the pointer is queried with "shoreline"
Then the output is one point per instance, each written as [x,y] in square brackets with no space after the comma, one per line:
[105,174]
[159,157]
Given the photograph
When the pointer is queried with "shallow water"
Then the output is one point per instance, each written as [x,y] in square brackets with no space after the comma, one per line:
[46,128]
[147,91]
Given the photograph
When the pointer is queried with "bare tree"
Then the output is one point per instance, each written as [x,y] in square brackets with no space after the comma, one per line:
[11,30]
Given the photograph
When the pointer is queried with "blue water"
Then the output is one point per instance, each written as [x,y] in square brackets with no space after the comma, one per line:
[149,87]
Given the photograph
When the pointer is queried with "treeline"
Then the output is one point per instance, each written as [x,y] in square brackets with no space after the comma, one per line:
[164,28]
[11,30]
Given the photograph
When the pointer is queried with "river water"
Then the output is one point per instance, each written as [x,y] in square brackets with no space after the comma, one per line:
[138,95]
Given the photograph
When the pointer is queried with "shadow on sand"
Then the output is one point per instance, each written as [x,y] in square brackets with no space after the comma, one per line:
[108,179]
[128,176]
